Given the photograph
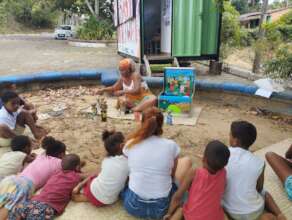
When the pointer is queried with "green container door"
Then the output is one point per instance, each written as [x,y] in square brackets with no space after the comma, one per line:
[187,28]
[210,31]
[195,28]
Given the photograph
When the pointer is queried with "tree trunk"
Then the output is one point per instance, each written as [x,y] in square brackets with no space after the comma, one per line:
[112,11]
[261,35]
[96,8]
[90,8]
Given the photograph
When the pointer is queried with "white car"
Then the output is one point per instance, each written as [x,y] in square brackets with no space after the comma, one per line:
[64,32]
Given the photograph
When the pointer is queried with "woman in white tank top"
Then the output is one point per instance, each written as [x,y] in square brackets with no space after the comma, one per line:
[131,89]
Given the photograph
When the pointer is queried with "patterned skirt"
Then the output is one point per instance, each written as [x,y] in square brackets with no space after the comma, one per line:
[32,210]
[14,190]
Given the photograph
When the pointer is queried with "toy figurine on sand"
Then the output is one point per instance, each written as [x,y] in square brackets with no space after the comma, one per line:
[94,109]
[169,119]
[103,108]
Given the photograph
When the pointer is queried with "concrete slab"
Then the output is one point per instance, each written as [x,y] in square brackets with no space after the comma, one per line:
[86,211]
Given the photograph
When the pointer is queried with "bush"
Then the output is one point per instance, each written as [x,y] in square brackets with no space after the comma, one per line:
[286,31]
[3,15]
[247,37]
[230,33]
[21,10]
[95,29]
[280,66]
[43,14]
[280,30]
[33,13]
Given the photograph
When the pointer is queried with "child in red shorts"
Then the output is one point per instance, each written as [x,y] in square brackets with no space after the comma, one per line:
[105,188]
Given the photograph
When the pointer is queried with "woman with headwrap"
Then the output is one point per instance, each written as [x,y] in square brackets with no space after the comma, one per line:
[131,89]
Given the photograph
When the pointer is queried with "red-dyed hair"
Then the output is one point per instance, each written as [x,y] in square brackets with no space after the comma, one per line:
[152,122]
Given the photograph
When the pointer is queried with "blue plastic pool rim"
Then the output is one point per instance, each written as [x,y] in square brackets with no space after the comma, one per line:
[110,76]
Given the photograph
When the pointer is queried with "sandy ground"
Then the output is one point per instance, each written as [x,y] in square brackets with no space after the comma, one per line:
[81,132]
[242,58]
[23,54]
[34,53]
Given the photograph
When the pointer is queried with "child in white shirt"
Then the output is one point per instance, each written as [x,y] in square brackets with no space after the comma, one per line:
[13,120]
[14,161]
[104,188]
[244,195]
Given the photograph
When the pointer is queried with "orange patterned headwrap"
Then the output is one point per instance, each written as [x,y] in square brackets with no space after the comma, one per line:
[125,65]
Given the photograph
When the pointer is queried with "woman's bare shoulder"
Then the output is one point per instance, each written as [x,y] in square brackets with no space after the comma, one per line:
[136,75]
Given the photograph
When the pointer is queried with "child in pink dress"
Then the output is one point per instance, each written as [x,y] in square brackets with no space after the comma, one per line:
[16,189]
[205,187]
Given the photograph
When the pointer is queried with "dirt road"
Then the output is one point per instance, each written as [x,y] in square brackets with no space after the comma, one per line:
[23,54]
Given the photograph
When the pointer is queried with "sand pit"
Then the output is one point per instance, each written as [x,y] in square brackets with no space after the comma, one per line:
[62,111]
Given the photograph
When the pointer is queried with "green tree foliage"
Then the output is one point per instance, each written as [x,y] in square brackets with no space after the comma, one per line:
[244,6]
[280,66]
[254,5]
[37,13]
[3,15]
[277,46]
[65,4]
[230,32]
[100,25]
[280,30]
[43,13]
[278,4]
[95,29]
[240,5]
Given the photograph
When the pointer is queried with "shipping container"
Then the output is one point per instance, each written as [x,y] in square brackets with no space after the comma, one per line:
[181,29]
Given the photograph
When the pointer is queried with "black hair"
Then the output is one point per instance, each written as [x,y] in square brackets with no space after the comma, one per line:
[53,147]
[8,96]
[19,143]
[244,132]
[70,162]
[4,86]
[217,155]
[112,141]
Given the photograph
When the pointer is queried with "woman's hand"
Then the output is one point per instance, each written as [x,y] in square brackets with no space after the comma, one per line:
[166,217]
[119,93]
[99,92]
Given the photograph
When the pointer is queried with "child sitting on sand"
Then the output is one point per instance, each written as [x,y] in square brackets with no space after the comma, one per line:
[205,186]
[283,168]
[29,107]
[16,189]
[55,195]
[105,188]
[14,161]
[244,196]
[13,120]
